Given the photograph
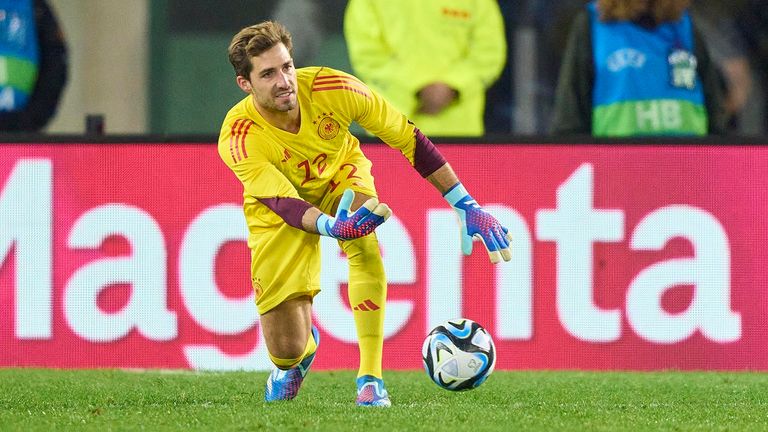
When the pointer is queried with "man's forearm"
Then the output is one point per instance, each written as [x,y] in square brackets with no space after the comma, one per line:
[295,212]
[309,220]
[443,178]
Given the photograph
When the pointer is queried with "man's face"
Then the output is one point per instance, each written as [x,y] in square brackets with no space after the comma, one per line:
[273,80]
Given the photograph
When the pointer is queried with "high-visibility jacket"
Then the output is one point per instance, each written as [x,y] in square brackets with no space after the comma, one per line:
[399,46]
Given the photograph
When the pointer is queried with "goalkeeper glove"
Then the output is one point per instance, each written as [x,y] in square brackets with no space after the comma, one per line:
[477,223]
[348,226]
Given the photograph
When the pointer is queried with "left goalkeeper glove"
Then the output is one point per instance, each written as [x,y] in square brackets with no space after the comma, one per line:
[348,225]
[476,222]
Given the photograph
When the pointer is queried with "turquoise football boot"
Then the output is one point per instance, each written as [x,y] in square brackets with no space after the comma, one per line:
[285,384]
[371,392]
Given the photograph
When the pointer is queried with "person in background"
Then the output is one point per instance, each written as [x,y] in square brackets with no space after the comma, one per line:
[432,59]
[717,21]
[313,24]
[552,21]
[33,65]
[638,68]
[752,22]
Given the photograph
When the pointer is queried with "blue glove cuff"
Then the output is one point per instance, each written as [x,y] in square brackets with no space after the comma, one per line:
[324,224]
[455,194]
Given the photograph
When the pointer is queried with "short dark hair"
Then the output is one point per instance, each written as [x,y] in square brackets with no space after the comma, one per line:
[254,40]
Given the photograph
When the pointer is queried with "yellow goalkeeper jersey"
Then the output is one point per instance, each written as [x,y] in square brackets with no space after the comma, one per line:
[271,162]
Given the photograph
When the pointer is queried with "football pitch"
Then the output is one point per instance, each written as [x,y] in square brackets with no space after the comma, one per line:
[104,400]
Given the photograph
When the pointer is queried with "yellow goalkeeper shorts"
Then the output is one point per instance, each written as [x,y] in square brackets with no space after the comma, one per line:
[285,261]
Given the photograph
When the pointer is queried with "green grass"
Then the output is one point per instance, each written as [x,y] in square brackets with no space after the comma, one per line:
[103,400]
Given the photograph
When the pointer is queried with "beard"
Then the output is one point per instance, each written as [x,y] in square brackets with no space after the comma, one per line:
[273,103]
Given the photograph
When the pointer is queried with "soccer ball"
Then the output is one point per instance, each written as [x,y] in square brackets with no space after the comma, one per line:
[458,354]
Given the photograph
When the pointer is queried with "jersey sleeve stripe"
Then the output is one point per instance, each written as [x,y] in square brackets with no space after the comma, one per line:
[242,138]
[236,135]
[342,87]
[334,81]
[338,79]
[350,78]
[340,82]
[232,139]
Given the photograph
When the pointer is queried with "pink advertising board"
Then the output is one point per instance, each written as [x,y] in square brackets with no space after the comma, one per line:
[638,257]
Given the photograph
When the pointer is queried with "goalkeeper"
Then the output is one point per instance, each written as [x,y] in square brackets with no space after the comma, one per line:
[304,175]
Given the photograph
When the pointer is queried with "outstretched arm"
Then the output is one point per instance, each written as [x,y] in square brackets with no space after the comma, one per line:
[475,222]
[443,178]
[376,115]
[430,164]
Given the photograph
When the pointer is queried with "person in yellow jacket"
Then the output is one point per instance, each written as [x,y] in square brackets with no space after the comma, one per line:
[432,59]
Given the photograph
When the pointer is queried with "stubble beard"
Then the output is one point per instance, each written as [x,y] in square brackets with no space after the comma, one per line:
[272,105]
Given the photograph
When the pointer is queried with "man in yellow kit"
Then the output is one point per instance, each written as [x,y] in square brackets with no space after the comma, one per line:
[288,143]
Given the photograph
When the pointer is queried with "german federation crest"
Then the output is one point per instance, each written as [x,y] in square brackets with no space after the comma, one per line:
[327,127]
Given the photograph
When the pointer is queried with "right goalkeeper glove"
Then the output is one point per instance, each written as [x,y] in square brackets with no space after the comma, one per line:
[346,226]
[477,223]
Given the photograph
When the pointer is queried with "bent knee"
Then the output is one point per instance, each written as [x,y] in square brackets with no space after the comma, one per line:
[287,354]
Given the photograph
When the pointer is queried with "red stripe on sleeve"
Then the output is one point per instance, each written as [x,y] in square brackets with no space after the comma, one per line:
[232,138]
[330,77]
[237,142]
[342,87]
[242,139]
